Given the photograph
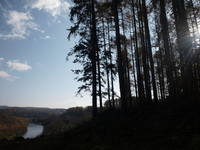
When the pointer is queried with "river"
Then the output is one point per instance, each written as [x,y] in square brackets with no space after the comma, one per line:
[33,131]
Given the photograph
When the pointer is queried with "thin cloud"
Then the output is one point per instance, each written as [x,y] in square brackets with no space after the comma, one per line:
[1,59]
[18,66]
[21,23]
[5,75]
[53,7]
[46,37]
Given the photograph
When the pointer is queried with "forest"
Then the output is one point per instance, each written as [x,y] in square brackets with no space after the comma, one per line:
[150,48]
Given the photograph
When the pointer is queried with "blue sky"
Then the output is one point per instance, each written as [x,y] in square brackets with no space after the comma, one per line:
[33,48]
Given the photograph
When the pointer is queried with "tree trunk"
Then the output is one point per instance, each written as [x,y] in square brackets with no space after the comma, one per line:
[184,46]
[148,40]
[106,59]
[121,71]
[168,56]
[133,64]
[137,58]
[126,59]
[99,79]
[111,64]
[94,59]
[144,56]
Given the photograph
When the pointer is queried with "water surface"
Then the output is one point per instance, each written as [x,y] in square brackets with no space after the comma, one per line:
[33,131]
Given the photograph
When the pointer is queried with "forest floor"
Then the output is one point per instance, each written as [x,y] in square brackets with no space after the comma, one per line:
[152,127]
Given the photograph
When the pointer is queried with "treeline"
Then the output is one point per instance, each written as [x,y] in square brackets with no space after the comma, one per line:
[72,118]
[150,47]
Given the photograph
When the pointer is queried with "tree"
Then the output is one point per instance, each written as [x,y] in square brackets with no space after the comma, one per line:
[120,62]
[137,40]
[184,46]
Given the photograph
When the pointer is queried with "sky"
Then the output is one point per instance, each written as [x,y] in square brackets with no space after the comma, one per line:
[33,49]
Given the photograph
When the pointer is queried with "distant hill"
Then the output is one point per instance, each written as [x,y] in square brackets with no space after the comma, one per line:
[14,120]
[54,120]
[3,107]
[34,114]
[11,126]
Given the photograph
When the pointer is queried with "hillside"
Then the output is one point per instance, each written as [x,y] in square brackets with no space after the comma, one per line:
[68,120]
[14,120]
[34,114]
[11,126]
[145,128]
[54,121]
